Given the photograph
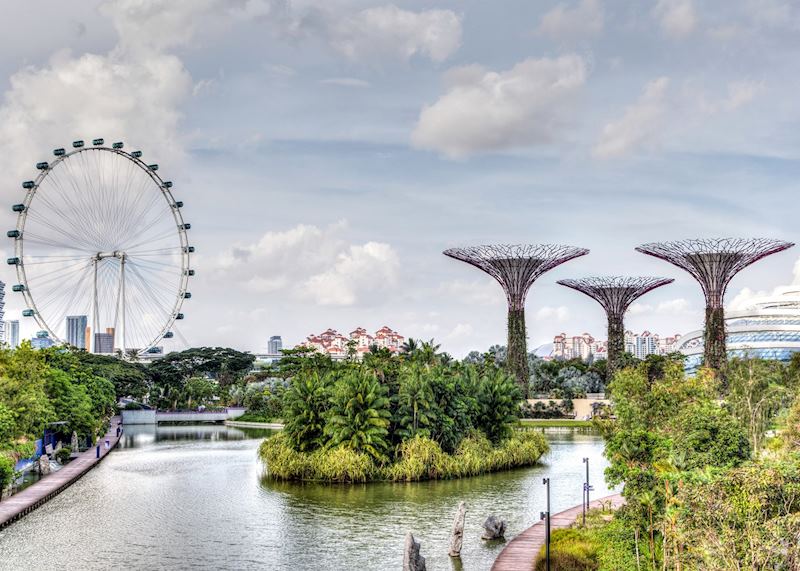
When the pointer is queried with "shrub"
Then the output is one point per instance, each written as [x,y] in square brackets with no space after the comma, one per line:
[570,550]
[63,454]
[341,464]
[6,472]
[306,402]
[281,460]
[419,458]
[253,417]
[133,406]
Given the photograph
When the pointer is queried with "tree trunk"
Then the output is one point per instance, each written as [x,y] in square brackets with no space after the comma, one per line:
[457,537]
[517,358]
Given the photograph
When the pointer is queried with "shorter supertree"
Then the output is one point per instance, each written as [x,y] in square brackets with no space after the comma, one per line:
[516,267]
[615,294]
[713,262]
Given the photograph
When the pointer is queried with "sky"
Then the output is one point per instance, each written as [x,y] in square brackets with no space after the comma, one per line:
[328,152]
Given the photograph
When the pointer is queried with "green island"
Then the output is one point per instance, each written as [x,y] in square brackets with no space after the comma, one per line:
[415,416]
[710,466]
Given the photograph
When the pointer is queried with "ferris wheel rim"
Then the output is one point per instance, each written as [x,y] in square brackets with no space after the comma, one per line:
[180,225]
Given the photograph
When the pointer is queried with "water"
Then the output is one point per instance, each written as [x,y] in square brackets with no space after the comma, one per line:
[192,497]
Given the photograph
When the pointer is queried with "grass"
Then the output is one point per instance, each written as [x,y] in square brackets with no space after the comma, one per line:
[416,459]
[555,423]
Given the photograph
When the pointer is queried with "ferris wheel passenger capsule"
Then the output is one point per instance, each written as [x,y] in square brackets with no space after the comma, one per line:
[28,184]
[169,335]
[18,287]
[60,152]
[189,272]
[153,167]
[178,204]
[12,261]
[27,313]
[42,166]
[18,208]
[167,184]
[98,142]
[117,145]
[189,249]
[186,226]
[77,144]
[13,234]
[136,154]
[179,316]
[186,295]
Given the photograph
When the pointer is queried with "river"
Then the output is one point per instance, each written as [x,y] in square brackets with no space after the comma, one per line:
[192,497]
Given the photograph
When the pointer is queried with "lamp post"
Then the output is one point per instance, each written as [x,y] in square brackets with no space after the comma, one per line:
[546,517]
[586,489]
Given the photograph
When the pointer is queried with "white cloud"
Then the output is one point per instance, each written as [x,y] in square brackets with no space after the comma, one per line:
[311,263]
[388,31]
[584,20]
[476,292]
[345,82]
[676,17]
[639,125]
[460,331]
[558,314]
[678,306]
[484,110]
[741,93]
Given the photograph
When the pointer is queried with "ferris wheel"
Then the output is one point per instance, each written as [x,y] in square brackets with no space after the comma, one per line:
[101,250]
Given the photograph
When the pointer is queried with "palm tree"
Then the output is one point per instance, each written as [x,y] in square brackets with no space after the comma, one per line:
[306,401]
[359,414]
[415,399]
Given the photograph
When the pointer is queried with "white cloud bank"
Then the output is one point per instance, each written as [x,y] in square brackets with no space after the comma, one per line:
[485,110]
[585,20]
[311,263]
[677,18]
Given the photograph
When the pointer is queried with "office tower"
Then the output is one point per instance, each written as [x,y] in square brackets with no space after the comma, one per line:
[275,345]
[76,331]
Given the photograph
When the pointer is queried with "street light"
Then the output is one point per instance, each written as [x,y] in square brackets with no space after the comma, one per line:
[586,489]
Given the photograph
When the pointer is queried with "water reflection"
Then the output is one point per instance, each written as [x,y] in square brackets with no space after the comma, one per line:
[193,497]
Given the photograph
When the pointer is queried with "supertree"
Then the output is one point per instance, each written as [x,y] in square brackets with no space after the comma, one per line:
[615,294]
[516,267]
[713,262]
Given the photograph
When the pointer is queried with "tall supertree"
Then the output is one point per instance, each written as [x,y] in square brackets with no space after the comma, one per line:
[615,294]
[516,267]
[713,262]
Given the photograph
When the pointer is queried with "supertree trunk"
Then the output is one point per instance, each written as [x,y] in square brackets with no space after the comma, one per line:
[616,345]
[517,358]
[715,350]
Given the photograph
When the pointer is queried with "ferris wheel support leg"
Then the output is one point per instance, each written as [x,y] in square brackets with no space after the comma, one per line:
[122,302]
[95,318]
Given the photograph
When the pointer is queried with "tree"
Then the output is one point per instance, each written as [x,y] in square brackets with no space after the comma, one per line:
[198,391]
[306,403]
[359,415]
[756,393]
[498,404]
[415,402]
[22,389]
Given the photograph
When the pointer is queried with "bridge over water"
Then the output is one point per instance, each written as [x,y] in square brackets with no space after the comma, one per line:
[159,416]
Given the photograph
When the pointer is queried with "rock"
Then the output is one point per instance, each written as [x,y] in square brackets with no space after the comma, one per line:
[412,560]
[494,528]
[43,466]
[457,538]
[74,443]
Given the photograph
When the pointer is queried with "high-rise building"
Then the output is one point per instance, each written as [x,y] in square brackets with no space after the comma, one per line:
[12,333]
[104,342]
[76,331]
[275,345]
[42,340]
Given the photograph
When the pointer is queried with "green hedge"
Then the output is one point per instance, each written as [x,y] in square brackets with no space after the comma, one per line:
[416,459]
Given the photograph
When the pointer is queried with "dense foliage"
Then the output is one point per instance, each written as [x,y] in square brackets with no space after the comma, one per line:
[412,416]
[705,487]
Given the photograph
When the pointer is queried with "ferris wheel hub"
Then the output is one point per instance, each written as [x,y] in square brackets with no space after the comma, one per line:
[115,254]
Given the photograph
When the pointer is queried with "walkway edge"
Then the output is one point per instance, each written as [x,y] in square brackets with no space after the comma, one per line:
[18,505]
[520,553]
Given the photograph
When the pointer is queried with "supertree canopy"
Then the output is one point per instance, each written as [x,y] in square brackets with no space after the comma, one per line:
[615,294]
[516,267]
[713,262]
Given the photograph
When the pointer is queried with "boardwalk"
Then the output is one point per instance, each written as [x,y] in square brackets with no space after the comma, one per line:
[520,553]
[32,497]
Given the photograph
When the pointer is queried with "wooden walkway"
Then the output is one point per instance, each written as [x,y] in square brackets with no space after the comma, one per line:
[16,506]
[520,553]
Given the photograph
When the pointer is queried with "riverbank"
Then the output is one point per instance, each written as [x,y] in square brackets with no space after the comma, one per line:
[554,423]
[521,552]
[16,506]
[264,425]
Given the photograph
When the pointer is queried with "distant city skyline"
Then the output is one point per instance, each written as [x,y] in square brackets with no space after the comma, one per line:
[638,344]
[325,167]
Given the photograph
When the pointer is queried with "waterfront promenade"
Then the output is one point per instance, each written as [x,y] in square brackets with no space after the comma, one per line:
[520,553]
[30,498]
